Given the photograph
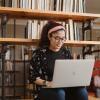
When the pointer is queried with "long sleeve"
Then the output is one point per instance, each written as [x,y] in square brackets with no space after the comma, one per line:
[35,67]
[67,53]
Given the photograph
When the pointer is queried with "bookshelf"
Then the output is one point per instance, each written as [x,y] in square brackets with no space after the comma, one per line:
[22,13]
[30,14]
[14,79]
[19,41]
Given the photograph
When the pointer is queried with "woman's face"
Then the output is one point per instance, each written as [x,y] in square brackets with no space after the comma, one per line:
[57,40]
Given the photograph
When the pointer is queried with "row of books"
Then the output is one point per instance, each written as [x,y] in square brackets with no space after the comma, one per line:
[58,5]
[31,4]
[8,65]
[72,28]
[33,27]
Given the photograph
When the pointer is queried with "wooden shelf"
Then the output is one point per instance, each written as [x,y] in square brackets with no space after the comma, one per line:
[11,72]
[10,96]
[22,13]
[28,86]
[20,41]
[81,43]
[12,85]
[18,60]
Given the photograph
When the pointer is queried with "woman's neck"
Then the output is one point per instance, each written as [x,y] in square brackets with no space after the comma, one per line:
[53,49]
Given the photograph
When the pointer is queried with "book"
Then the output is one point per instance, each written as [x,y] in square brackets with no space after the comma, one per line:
[67,31]
[71,29]
[9,65]
[14,3]
[7,55]
[29,28]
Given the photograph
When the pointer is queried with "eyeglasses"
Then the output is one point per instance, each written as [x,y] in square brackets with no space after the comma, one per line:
[57,38]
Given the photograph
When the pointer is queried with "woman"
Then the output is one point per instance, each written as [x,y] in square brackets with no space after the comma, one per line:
[42,65]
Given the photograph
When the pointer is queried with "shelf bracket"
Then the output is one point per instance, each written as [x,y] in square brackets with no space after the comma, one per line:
[87,25]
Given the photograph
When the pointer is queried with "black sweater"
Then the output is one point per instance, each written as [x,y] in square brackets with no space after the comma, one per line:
[43,60]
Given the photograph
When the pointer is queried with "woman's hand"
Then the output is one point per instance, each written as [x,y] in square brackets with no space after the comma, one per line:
[43,82]
[49,84]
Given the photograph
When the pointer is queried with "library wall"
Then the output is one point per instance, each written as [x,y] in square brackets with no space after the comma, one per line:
[17,56]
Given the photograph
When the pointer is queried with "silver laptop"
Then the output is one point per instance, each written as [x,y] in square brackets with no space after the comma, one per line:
[72,73]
